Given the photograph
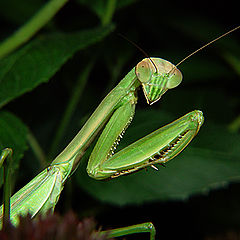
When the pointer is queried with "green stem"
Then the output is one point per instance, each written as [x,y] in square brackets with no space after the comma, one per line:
[36,148]
[110,8]
[139,228]
[5,160]
[72,104]
[234,126]
[22,35]
[233,61]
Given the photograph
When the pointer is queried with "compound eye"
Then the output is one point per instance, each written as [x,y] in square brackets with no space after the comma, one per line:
[143,71]
[175,79]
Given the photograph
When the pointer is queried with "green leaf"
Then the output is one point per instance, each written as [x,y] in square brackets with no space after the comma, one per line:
[207,164]
[40,59]
[13,135]
[98,7]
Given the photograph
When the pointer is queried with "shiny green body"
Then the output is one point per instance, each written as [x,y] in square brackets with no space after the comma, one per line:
[113,116]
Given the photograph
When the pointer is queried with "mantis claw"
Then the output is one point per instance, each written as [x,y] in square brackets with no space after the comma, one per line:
[154,167]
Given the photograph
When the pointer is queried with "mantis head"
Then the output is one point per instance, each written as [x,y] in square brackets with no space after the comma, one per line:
[157,76]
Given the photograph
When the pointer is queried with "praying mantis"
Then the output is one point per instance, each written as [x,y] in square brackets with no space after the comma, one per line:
[114,114]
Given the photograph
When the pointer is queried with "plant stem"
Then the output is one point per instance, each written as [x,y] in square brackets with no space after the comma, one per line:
[36,148]
[72,104]
[234,126]
[5,160]
[111,5]
[139,228]
[23,34]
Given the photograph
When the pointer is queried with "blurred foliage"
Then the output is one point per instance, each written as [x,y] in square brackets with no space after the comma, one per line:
[81,37]
[16,78]
[52,227]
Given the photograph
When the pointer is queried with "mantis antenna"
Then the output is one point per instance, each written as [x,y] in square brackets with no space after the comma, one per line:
[135,45]
[199,49]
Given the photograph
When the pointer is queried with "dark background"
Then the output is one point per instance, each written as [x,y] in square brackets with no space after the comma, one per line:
[166,29]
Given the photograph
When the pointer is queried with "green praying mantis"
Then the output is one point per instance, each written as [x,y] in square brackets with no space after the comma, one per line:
[111,118]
